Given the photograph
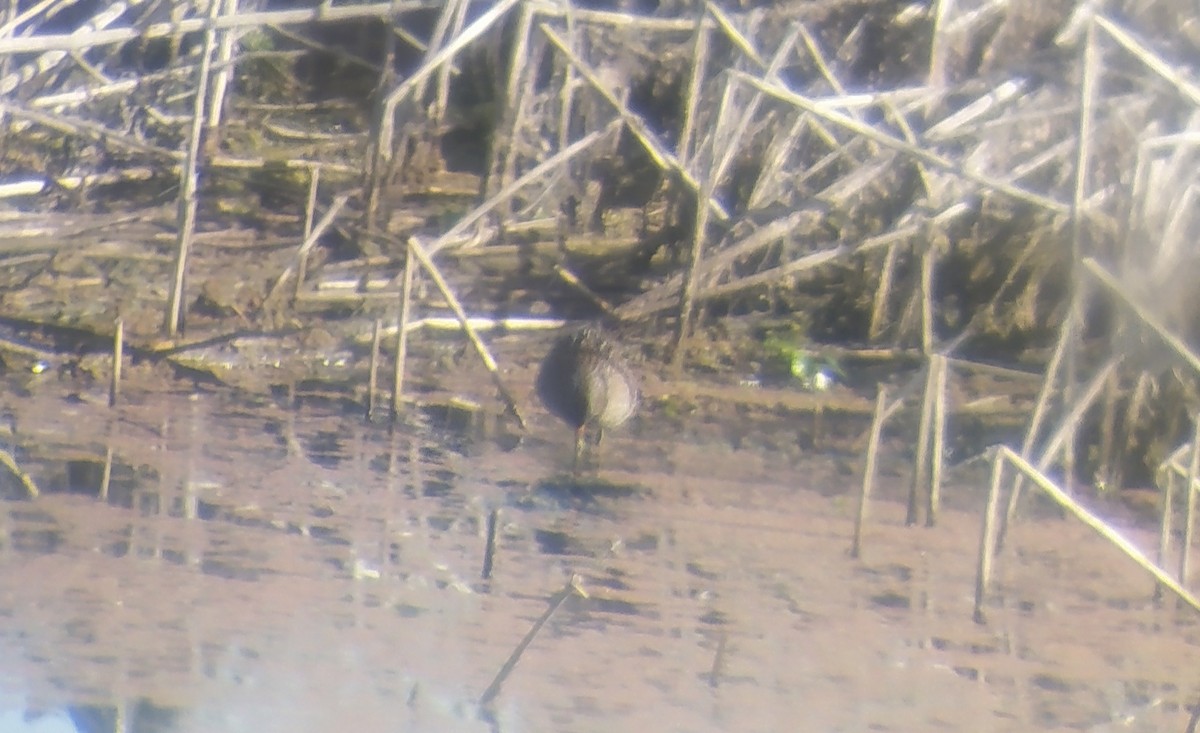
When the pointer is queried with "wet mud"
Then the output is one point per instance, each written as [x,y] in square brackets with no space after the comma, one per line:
[268,564]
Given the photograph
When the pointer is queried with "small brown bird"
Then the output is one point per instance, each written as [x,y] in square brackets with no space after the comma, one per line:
[584,382]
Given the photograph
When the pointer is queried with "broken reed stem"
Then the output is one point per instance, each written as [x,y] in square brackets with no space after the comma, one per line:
[987,537]
[879,306]
[820,109]
[658,152]
[1040,408]
[373,370]
[1097,525]
[926,289]
[571,279]
[869,469]
[1164,529]
[700,45]
[10,463]
[402,332]
[920,477]
[567,102]
[1189,514]
[385,124]
[1070,422]
[114,387]
[1110,283]
[489,547]
[480,348]
[443,73]
[571,588]
[522,77]
[220,82]
[937,448]
[562,157]
[310,212]
[687,294]
[1087,92]
[306,246]
[106,474]
[378,163]
[189,177]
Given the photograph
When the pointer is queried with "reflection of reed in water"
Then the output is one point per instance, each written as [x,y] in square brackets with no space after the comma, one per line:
[585,382]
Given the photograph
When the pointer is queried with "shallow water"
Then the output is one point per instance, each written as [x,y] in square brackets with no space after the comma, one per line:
[262,567]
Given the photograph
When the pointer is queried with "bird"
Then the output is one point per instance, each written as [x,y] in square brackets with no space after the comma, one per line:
[584,381]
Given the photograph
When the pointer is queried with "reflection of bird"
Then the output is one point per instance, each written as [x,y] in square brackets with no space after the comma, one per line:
[584,382]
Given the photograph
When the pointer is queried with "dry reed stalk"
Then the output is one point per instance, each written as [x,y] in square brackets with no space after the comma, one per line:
[379,164]
[85,38]
[729,26]
[700,49]
[921,457]
[1189,513]
[479,323]
[373,369]
[189,182]
[776,159]
[31,487]
[1060,438]
[1040,408]
[628,22]
[551,164]
[52,57]
[937,447]
[726,153]
[822,257]
[518,91]
[384,143]
[1108,431]
[220,83]
[883,291]
[1098,525]
[1164,528]
[1169,73]
[566,105]
[310,212]
[987,537]
[869,469]
[571,279]
[687,294]
[106,475]
[480,348]
[91,130]
[928,157]
[402,332]
[1078,297]
[456,235]
[114,386]
[306,246]
[925,293]
[572,588]
[1113,286]
[662,157]
[442,99]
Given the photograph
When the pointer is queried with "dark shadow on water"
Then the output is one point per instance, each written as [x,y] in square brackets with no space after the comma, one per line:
[142,716]
[589,494]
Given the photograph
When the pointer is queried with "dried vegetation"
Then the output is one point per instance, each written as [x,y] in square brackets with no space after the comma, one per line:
[979,179]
